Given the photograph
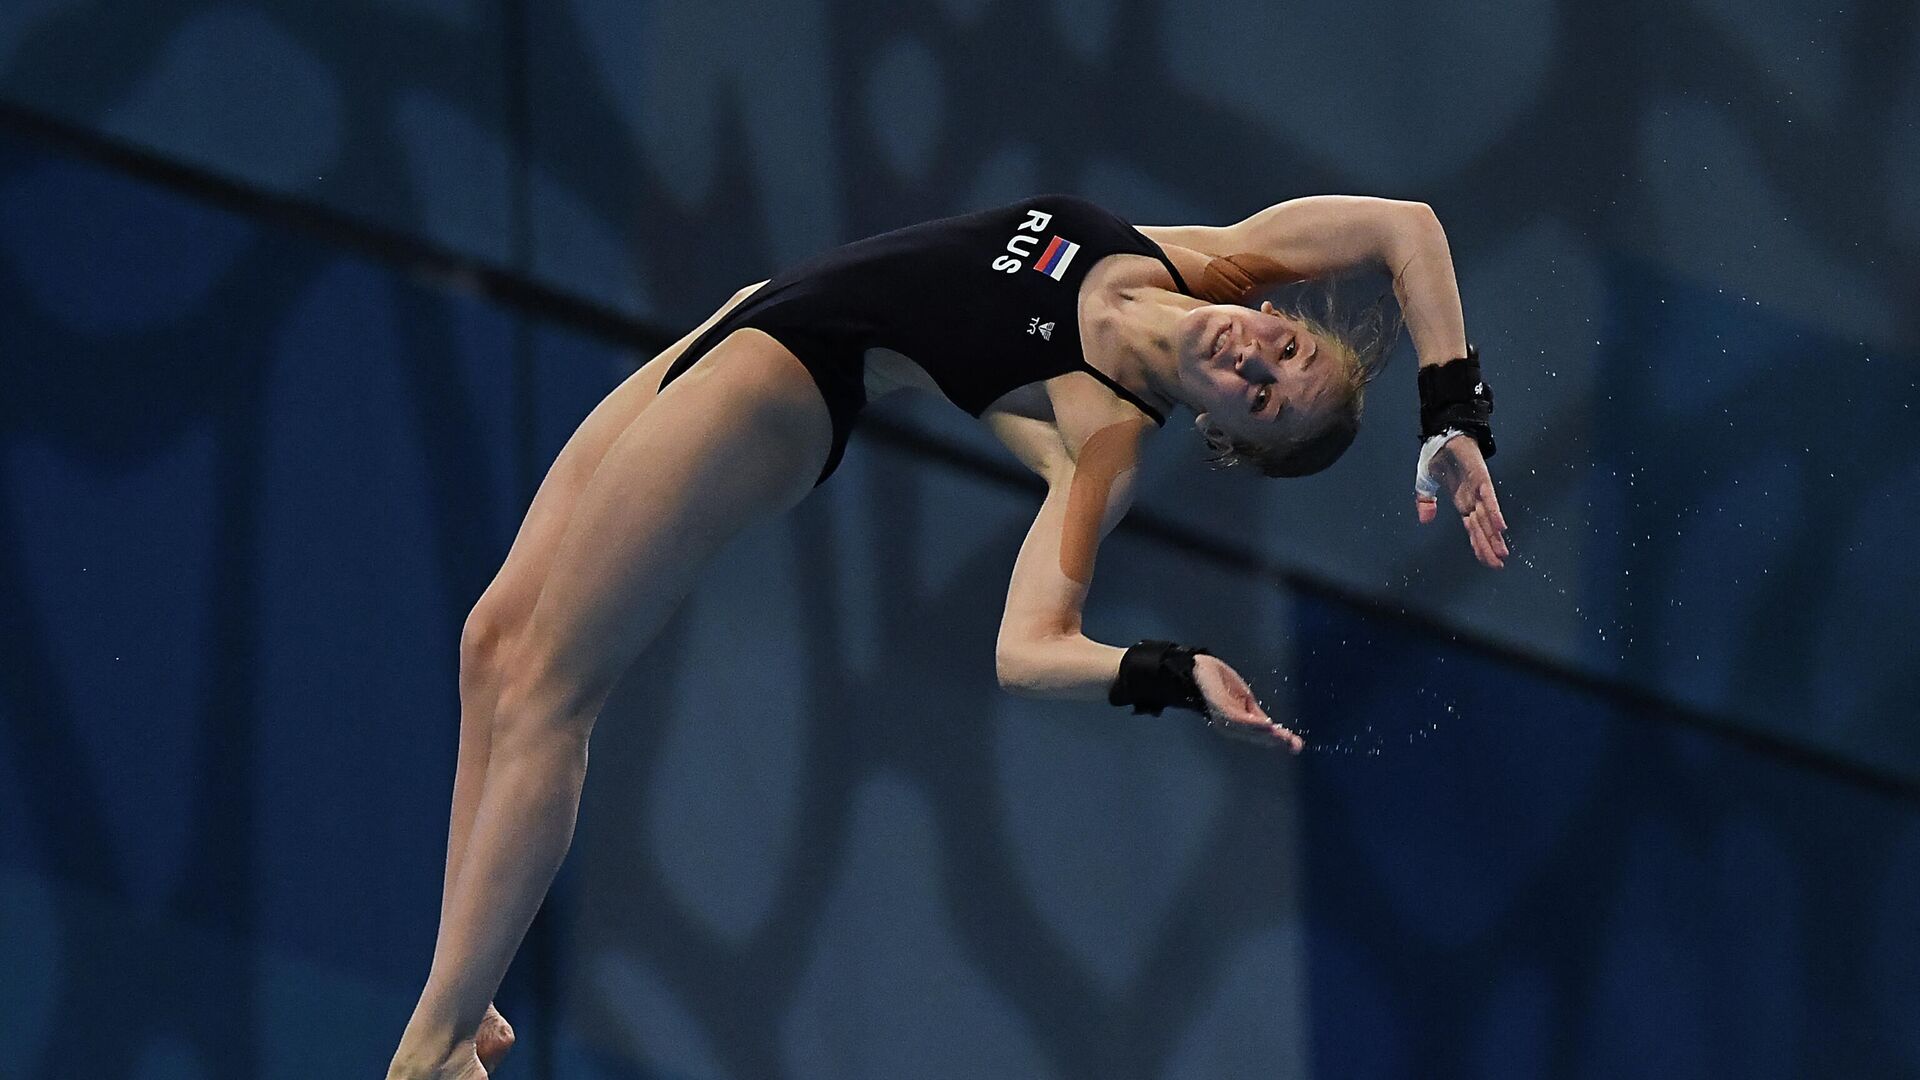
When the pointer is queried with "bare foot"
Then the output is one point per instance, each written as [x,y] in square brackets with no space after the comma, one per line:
[465,1065]
[492,1041]
[460,1064]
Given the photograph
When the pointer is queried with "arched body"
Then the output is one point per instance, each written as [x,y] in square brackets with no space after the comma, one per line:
[659,476]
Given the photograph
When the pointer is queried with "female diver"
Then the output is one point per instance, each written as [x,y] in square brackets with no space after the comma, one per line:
[1004,313]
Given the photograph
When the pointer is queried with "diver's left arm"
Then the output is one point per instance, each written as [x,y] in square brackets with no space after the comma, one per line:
[1324,235]
[1429,295]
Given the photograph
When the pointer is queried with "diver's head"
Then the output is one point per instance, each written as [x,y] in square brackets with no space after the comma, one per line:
[1271,387]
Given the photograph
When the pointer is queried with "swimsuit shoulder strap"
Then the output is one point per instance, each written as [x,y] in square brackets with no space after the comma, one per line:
[1113,384]
[1156,251]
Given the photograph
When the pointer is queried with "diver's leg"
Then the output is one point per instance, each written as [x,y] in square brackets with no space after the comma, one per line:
[507,603]
[739,437]
[504,608]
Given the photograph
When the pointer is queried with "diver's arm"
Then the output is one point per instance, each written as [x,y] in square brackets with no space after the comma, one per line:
[1424,283]
[1323,235]
[1041,651]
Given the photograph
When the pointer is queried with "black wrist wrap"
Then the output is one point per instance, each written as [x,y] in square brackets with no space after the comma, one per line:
[1156,674]
[1453,395]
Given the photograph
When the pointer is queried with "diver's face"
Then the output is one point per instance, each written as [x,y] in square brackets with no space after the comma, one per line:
[1258,376]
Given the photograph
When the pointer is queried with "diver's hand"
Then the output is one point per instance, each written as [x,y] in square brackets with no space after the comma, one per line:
[1231,709]
[1462,475]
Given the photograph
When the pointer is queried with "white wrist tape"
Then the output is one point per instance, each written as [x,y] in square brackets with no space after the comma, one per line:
[1424,485]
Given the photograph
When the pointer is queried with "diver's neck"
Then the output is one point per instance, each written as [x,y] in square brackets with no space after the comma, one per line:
[1144,341]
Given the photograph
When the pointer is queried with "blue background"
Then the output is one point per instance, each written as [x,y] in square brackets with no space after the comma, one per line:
[1641,805]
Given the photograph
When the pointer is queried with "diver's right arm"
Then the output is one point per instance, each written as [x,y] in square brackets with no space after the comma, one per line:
[1041,651]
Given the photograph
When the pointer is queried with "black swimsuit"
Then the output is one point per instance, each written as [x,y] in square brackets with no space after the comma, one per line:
[983,302]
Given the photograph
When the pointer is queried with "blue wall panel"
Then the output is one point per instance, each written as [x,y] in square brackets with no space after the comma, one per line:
[393,111]
[1512,878]
[241,524]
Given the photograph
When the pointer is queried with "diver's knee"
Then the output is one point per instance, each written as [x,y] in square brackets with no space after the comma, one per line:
[544,702]
[484,641]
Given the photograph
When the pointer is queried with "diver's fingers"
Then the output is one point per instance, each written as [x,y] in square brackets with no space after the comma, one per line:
[1496,547]
[1425,509]
[1493,527]
[1480,550]
[1492,502]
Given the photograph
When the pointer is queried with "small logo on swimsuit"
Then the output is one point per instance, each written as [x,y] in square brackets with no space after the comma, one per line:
[1044,329]
[1479,388]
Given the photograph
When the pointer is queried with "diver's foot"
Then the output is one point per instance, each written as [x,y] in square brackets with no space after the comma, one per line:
[493,1039]
[460,1064]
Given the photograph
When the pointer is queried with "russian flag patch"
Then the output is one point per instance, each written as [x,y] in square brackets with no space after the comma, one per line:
[1053,261]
